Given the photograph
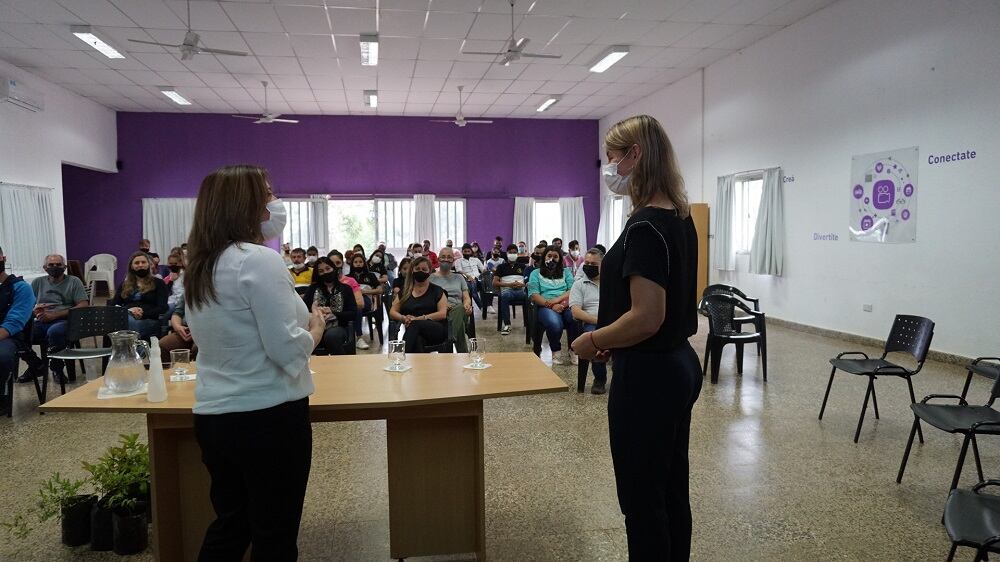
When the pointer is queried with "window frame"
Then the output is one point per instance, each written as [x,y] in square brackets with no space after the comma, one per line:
[399,213]
[747,191]
[534,227]
[456,220]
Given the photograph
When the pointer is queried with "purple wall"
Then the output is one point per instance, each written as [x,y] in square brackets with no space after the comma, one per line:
[167,155]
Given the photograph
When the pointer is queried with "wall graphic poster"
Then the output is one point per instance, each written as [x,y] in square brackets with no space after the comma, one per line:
[884,196]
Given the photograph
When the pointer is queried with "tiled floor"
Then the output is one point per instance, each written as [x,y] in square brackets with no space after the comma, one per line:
[768,482]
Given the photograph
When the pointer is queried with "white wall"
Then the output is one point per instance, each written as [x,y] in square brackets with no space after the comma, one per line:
[71,129]
[860,77]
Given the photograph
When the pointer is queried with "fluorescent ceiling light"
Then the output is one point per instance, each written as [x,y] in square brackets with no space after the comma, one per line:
[610,57]
[86,34]
[371,98]
[369,50]
[171,93]
[548,103]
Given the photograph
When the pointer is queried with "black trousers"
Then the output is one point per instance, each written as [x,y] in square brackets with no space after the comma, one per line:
[334,340]
[259,464]
[649,418]
[422,333]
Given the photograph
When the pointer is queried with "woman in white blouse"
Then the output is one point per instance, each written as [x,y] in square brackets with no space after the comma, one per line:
[251,400]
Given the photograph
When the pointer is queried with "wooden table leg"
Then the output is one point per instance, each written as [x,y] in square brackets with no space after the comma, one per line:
[436,481]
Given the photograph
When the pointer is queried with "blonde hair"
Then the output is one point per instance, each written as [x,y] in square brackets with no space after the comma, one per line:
[144,284]
[407,291]
[656,170]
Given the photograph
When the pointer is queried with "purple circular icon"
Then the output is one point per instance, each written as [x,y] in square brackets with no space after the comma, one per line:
[879,167]
[908,190]
[859,192]
[866,222]
[905,214]
[867,200]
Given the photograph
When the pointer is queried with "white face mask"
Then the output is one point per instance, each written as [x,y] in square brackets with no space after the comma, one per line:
[614,179]
[311,259]
[376,260]
[511,257]
[272,227]
[574,253]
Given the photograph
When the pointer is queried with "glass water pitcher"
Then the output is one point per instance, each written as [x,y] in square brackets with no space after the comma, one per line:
[125,372]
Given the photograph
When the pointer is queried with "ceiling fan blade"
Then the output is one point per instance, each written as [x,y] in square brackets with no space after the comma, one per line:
[284,120]
[478,121]
[537,56]
[442,120]
[153,43]
[222,52]
[520,44]
[244,117]
[482,53]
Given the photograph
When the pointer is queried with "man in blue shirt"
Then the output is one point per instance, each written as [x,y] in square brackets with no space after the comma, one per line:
[16,302]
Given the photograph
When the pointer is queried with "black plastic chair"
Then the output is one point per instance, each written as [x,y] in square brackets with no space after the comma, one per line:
[22,352]
[582,364]
[349,347]
[909,334]
[972,519]
[722,330]
[959,418]
[738,319]
[984,366]
[487,293]
[374,318]
[88,322]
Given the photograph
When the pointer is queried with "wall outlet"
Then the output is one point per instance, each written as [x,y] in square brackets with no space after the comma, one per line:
[866,307]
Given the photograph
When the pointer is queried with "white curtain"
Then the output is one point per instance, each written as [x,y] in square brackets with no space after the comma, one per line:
[423,219]
[614,214]
[524,220]
[725,258]
[574,224]
[767,253]
[27,232]
[167,223]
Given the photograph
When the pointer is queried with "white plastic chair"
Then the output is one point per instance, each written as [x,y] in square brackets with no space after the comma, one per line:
[105,265]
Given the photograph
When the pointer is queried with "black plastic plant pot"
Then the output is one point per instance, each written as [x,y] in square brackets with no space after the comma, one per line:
[76,520]
[131,533]
[101,529]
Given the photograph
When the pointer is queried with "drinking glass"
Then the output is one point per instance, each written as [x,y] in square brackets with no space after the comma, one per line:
[477,351]
[180,361]
[397,355]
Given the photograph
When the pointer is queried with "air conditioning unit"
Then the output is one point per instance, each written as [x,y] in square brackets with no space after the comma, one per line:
[15,92]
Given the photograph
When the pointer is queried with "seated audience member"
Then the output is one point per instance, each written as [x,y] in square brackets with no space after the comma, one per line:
[430,254]
[548,288]
[449,244]
[312,254]
[184,249]
[370,289]
[348,254]
[359,249]
[144,246]
[175,282]
[300,270]
[286,253]
[459,303]
[336,300]
[574,260]
[143,295]
[400,280]
[584,301]
[422,307]
[496,258]
[179,336]
[509,279]
[390,261]
[498,243]
[16,304]
[557,242]
[535,260]
[604,251]
[55,294]
[522,253]
[477,252]
[337,259]
[159,271]
[470,267]
[376,264]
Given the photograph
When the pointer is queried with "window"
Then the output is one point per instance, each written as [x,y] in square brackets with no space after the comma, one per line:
[394,220]
[351,222]
[746,203]
[299,226]
[548,222]
[617,216]
[449,221]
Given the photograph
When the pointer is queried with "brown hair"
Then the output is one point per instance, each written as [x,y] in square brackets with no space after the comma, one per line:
[231,201]
[657,170]
[407,291]
[144,284]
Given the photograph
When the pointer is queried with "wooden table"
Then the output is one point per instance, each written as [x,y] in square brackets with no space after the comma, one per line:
[434,421]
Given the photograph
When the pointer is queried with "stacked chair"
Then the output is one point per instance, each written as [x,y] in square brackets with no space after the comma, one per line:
[727,311]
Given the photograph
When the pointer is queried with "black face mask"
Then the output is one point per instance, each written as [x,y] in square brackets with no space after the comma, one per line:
[175,269]
[3,266]
[551,264]
[328,277]
[140,273]
[421,276]
[55,270]
[522,260]
[466,256]
[356,269]
[591,271]
[536,257]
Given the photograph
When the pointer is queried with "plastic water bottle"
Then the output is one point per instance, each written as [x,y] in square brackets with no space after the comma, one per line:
[156,389]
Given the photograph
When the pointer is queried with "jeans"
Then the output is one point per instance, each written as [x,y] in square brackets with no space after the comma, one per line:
[147,327]
[509,297]
[474,292]
[259,465]
[600,369]
[649,421]
[52,334]
[554,324]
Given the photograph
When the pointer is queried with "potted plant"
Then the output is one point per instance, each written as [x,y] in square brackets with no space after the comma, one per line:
[61,497]
[121,476]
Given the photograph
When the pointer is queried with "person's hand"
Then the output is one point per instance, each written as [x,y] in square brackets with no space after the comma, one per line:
[184,332]
[584,347]
[46,316]
[559,307]
[136,312]
[468,309]
[408,319]
[316,321]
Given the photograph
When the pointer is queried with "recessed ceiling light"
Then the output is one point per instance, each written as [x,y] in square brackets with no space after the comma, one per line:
[371,98]
[171,93]
[87,35]
[610,57]
[548,103]
[369,50]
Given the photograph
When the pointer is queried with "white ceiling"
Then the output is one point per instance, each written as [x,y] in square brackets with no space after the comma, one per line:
[309,51]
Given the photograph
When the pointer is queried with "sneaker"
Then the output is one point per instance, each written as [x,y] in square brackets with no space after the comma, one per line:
[559,358]
[30,374]
[573,358]
[598,388]
[362,344]
[505,330]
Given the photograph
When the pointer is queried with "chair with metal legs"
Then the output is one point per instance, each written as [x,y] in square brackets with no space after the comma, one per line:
[909,334]
[91,321]
[972,519]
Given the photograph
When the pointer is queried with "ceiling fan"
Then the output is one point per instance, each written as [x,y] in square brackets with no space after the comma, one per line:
[189,48]
[515,48]
[266,117]
[460,119]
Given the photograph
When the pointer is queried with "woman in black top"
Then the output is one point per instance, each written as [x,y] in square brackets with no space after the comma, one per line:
[422,307]
[400,281]
[143,295]
[647,314]
[335,300]
[376,264]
